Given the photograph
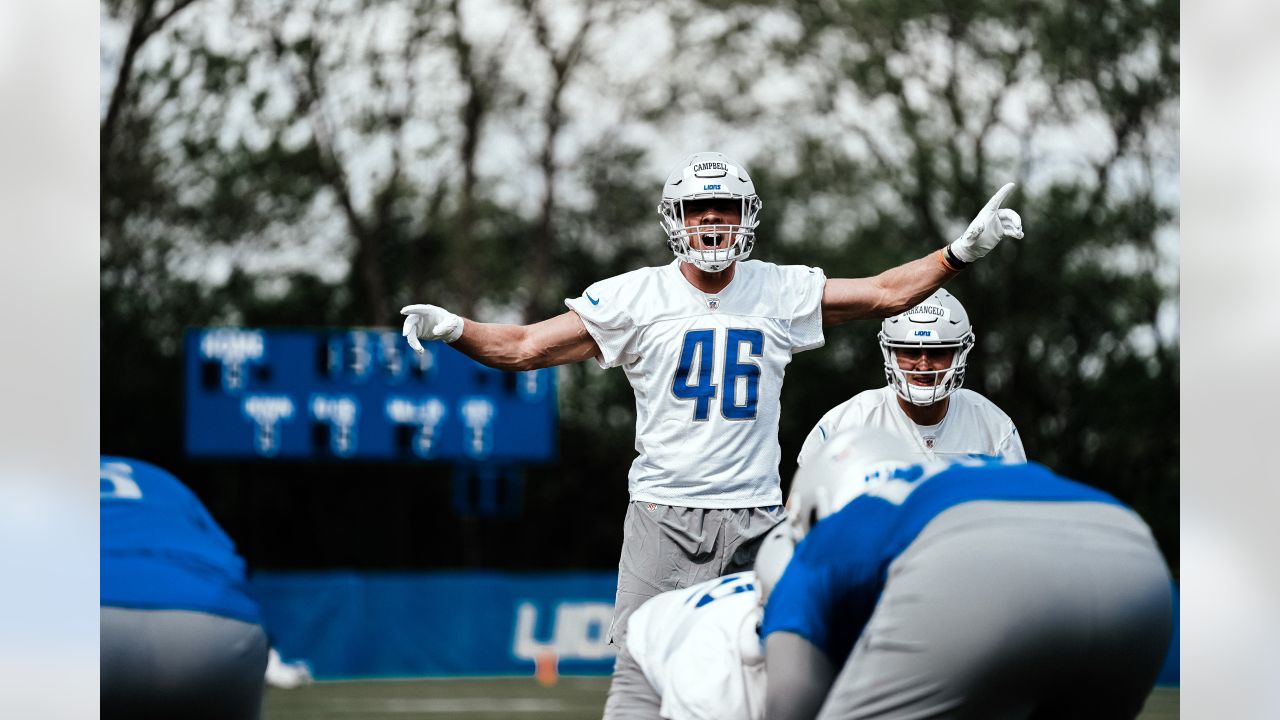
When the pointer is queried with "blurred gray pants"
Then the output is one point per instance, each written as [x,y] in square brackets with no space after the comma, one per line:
[180,664]
[665,547]
[631,697]
[1014,610]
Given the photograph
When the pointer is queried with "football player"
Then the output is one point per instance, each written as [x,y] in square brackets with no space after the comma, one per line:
[181,636]
[977,589]
[925,358]
[695,654]
[704,342]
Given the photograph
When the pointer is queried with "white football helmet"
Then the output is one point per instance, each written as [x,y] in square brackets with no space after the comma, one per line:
[840,472]
[938,322]
[704,176]
[772,558]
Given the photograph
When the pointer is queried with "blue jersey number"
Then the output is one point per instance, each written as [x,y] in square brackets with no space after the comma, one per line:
[748,372]
[729,585]
[741,376]
[699,345]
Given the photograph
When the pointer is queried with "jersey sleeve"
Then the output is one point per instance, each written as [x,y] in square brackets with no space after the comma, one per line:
[603,310]
[829,590]
[1011,449]
[803,293]
[801,603]
[831,422]
[816,438]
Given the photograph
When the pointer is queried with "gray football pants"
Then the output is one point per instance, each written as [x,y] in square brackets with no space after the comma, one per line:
[1014,610]
[180,664]
[668,548]
[631,697]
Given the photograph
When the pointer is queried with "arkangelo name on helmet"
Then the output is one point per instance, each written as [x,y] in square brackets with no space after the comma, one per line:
[928,310]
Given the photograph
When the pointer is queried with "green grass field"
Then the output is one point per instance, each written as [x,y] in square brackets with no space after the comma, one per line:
[492,699]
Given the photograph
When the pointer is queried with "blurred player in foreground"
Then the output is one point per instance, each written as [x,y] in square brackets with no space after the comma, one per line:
[705,341]
[925,358]
[966,590]
[695,653]
[180,636]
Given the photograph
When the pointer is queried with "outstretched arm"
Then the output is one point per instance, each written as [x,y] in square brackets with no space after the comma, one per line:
[897,289]
[891,292]
[558,341]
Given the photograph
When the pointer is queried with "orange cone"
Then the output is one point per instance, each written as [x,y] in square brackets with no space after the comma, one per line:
[547,668]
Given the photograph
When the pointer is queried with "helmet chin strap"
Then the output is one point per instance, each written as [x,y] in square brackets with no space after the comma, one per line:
[709,260]
[925,396]
[714,259]
[920,395]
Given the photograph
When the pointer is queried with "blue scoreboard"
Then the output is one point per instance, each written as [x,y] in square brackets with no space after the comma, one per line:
[358,395]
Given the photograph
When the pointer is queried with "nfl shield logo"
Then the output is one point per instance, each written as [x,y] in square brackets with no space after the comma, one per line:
[713,303]
[928,442]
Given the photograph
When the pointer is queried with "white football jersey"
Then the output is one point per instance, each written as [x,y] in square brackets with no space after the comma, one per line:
[700,650]
[707,374]
[973,426]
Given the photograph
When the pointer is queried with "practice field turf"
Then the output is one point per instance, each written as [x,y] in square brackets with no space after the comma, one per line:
[492,699]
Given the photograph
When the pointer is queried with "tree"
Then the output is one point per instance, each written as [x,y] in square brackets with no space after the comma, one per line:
[323,162]
[908,116]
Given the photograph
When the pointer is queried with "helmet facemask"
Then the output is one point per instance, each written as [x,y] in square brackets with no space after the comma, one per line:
[945,381]
[710,176]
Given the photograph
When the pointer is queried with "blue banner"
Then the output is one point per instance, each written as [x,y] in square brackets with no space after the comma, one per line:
[351,625]
[354,625]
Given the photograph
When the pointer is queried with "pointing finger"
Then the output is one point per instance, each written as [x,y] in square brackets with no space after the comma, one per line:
[998,199]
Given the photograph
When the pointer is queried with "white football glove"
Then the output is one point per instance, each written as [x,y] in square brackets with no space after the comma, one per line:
[428,322]
[992,225]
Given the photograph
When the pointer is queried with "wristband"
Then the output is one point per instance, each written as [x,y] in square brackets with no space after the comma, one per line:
[950,261]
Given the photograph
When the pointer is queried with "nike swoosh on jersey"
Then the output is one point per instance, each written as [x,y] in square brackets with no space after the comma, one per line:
[593,300]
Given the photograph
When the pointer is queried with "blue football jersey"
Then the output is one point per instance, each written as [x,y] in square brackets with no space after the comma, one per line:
[834,580]
[160,548]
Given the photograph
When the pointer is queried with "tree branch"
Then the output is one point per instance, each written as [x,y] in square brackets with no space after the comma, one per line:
[142,29]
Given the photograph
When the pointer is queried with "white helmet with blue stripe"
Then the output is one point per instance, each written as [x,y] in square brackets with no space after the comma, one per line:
[845,467]
[708,176]
[938,322]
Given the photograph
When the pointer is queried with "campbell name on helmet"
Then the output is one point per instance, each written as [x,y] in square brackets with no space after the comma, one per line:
[707,176]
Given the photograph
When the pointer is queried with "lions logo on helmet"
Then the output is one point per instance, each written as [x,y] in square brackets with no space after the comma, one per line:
[939,322]
[705,176]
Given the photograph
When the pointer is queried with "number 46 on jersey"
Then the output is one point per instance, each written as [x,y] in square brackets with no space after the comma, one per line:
[740,379]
